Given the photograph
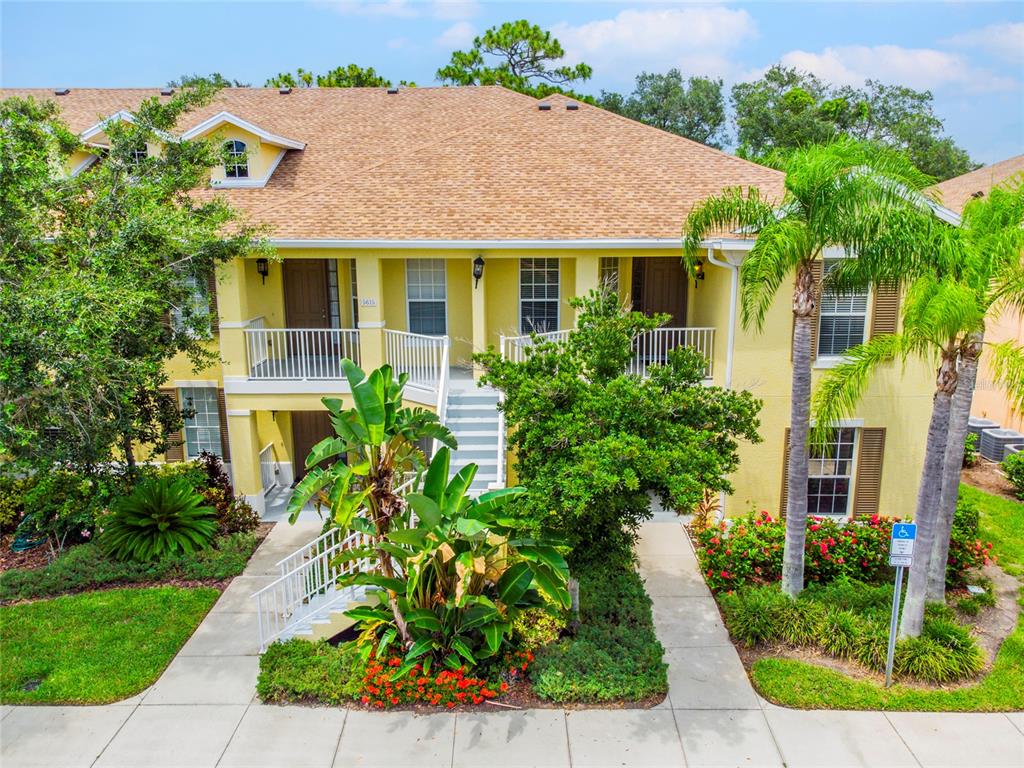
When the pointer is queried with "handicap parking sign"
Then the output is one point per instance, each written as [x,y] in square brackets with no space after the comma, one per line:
[903,537]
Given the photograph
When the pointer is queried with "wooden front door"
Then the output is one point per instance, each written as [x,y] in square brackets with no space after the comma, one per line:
[305,293]
[662,283]
[308,429]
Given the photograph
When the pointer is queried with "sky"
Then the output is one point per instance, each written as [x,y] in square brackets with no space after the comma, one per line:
[969,54]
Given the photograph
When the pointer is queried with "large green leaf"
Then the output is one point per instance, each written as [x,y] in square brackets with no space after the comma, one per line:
[455,493]
[371,411]
[327,448]
[477,616]
[377,580]
[460,647]
[424,618]
[414,537]
[492,501]
[420,647]
[514,582]
[426,508]
[353,372]
[437,476]
[493,633]
[369,613]
[314,481]
[469,527]
[548,555]
[552,584]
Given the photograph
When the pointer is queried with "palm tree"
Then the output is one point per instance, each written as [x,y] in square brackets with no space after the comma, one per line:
[959,275]
[839,194]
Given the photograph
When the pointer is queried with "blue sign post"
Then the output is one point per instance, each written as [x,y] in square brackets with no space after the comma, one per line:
[901,555]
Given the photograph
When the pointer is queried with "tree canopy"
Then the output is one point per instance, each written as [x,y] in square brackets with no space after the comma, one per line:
[350,76]
[103,277]
[694,108]
[518,55]
[787,109]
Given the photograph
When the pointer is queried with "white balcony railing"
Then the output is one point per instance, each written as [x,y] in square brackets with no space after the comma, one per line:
[298,353]
[424,358]
[649,349]
[268,468]
[652,348]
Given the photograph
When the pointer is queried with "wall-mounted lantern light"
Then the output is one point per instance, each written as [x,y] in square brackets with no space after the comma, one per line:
[263,269]
[478,270]
[698,270]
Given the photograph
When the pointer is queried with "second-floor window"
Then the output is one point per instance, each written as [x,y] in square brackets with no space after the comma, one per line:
[236,162]
[843,318]
[538,295]
[198,306]
[427,292]
[139,153]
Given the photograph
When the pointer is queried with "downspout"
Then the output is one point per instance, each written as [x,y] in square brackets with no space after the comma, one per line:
[731,340]
[733,298]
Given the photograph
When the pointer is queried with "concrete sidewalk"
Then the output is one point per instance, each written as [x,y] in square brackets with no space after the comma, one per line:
[203,712]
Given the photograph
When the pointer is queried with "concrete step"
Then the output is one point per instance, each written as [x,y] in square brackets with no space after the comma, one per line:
[471,412]
[476,436]
[474,397]
[476,453]
[461,423]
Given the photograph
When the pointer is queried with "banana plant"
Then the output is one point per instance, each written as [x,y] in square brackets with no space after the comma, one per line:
[461,574]
[374,447]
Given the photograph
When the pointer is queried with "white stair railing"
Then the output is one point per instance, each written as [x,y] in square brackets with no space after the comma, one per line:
[514,347]
[268,468]
[424,358]
[307,584]
[298,353]
[442,392]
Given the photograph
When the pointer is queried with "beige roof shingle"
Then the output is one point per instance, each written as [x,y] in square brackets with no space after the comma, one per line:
[474,163]
[956,192]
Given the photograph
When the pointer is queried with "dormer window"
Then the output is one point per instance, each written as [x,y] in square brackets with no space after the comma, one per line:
[236,164]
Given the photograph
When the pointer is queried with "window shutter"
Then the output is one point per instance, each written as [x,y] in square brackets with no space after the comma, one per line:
[176,448]
[784,497]
[212,288]
[222,413]
[868,489]
[885,309]
[817,270]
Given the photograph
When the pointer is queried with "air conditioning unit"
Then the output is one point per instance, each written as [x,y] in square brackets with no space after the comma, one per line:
[1012,448]
[993,441]
[976,425]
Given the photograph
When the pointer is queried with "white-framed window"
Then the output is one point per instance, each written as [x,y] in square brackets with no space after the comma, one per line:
[538,295]
[139,153]
[842,318]
[830,474]
[610,272]
[202,429]
[333,302]
[236,162]
[426,290]
[198,305]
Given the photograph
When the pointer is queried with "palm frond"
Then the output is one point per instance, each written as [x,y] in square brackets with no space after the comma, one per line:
[1006,360]
[838,393]
[781,246]
[734,211]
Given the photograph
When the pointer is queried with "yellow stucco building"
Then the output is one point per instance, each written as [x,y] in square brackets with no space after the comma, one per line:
[417,226]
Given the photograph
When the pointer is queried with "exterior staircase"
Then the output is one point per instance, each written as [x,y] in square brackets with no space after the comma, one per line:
[472,416]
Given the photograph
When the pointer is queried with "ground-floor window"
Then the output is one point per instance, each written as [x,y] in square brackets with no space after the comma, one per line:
[202,428]
[427,293]
[538,295]
[610,272]
[830,474]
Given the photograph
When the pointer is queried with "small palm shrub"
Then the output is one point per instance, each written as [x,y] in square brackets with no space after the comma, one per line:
[158,519]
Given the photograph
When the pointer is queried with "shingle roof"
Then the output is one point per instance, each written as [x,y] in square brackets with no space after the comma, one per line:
[956,192]
[456,164]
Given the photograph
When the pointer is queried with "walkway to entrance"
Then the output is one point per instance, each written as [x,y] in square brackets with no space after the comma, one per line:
[203,712]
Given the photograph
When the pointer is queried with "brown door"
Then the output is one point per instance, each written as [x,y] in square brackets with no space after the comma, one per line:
[664,289]
[308,429]
[305,293]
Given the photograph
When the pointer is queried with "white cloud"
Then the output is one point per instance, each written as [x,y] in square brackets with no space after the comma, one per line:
[695,39]
[1005,41]
[396,43]
[919,68]
[459,34]
[455,9]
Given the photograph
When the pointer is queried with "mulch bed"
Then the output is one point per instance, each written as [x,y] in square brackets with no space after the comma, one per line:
[33,558]
[989,477]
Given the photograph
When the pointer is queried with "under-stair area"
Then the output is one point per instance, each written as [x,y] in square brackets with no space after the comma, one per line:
[472,416]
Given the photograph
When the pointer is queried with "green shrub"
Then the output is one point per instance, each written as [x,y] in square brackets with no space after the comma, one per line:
[615,653]
[799,625]
[1013,466]
[841,632]
[12,491]
[298,670]
[970,450]
[64,505]
[534,628]
[86,566]
[756,615]
[873,646]
[161,517]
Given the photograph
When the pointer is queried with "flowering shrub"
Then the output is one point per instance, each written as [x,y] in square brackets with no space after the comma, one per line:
[383,688]
[751,549]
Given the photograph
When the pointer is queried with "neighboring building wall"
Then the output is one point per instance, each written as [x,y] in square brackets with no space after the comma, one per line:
[990,401]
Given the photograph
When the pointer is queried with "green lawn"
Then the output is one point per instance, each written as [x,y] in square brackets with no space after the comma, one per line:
[798,684]
[95,647]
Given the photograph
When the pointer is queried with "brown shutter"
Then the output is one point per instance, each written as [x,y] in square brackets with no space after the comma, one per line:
[222,413]
[784,497]
[176,447]
[885,309]
[214,316]
[868,490]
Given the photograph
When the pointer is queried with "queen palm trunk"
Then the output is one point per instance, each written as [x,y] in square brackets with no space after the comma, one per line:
[928,497]
[800,410]
[960,413]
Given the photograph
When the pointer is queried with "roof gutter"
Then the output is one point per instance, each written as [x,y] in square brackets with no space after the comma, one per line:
[497,245]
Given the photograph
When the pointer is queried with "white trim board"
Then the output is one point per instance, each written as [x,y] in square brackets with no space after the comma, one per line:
[249,183]
[226,117]
[497,245]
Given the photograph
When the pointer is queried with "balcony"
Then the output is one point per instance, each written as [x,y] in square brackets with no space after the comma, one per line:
[288,354]
[649,349]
